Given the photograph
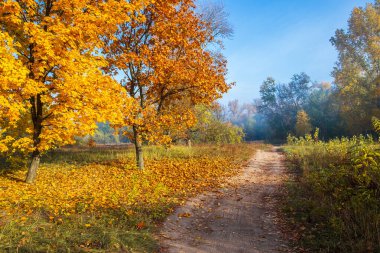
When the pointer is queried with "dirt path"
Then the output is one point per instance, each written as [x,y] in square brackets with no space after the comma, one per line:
[240,217]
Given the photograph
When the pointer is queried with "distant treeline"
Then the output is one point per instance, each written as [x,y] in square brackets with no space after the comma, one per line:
[212,127]
[344,108]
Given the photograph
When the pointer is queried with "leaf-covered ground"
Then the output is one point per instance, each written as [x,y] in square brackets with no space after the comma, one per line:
[107,204]
[241,216]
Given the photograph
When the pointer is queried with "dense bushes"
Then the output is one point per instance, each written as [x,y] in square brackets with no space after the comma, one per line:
[211,128]
[336,195]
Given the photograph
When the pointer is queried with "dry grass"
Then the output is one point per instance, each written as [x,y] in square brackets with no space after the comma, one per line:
[335,199]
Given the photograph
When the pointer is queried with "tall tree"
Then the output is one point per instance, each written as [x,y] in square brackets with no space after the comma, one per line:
[303,125]
[357,72]
[51,84]
[166,68]
[281,102]
[323,110]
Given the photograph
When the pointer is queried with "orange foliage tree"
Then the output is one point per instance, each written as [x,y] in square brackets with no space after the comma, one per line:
[52,87]
[166,68]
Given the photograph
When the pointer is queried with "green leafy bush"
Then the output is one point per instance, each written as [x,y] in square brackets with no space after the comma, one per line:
[336,195]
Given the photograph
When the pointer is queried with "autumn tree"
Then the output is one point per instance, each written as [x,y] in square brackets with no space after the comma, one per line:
[357,73]
[166,69]
[52,87]
[303,125]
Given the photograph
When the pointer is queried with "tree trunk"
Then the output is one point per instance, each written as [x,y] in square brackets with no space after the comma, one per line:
[37,118]
[32,171]
[138,148]
[189,143]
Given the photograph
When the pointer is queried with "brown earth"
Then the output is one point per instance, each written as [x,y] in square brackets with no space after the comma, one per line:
[242,216]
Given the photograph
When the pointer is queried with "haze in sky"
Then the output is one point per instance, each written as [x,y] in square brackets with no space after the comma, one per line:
[279,38]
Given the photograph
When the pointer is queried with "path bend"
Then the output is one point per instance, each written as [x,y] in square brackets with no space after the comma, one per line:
[240,217]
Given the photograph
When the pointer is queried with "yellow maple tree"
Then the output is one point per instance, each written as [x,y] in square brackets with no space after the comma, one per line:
[166,68]
[52,83]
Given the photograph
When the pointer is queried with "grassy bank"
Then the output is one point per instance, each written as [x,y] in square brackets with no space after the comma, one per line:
[335,197]
[95,200]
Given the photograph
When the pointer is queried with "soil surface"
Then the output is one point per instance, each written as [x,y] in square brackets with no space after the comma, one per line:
[239,217]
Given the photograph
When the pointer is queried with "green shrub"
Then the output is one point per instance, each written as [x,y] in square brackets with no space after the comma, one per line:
[336,194]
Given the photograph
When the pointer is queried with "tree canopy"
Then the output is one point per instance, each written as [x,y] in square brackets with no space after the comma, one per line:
[53,86]
[166,69]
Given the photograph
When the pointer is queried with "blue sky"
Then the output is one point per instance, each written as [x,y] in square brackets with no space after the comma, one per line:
[279,38]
